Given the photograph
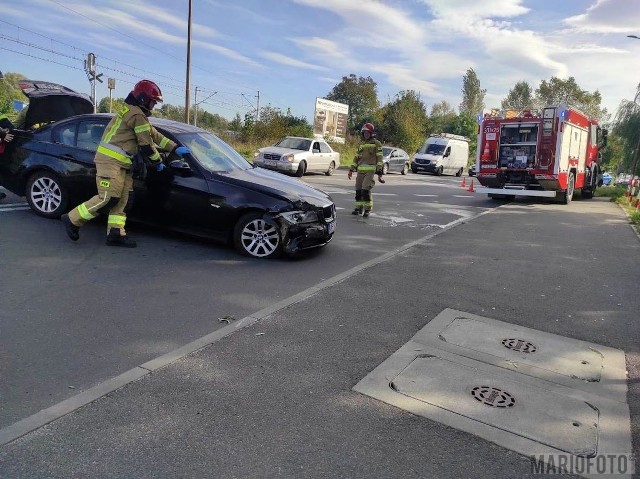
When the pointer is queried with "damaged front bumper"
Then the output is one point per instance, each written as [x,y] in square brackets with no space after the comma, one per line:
[306,228]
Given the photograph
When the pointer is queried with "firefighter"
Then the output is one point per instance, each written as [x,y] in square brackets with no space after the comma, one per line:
[367,163]
[5,137]
[128,133]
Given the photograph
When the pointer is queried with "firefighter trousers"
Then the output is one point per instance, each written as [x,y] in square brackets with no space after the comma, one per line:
[364,184]
[114,182]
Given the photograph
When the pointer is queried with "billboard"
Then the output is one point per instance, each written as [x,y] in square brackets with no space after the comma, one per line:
[330,120]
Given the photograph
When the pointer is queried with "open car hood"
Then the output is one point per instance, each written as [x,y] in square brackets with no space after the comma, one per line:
[52,102]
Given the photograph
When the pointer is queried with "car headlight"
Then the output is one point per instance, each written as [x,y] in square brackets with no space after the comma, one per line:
[288,157]
[295,217]
[256,154]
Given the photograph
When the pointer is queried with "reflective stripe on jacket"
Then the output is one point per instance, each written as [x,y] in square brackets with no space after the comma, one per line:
[127,132]
[369,157]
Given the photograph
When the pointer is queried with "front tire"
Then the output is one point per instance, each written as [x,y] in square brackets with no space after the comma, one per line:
[302,167]
[459,172]
[439,171]
[385,168]
[46,194]
[405,169]
[332,168]
[258,237]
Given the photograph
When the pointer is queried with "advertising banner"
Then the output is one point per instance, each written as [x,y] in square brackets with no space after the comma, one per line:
[330,120]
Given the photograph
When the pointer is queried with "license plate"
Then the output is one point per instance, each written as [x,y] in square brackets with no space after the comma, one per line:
[331,227]
[420,168]
[271,162]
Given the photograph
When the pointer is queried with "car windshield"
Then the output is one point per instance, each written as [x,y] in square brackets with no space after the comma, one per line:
[432,149]
[386,151]
[294,143]
[213,153]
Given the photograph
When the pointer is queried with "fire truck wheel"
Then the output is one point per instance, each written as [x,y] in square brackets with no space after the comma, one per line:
[567,196]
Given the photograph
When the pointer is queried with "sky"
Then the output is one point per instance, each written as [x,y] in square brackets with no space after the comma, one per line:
[286,53]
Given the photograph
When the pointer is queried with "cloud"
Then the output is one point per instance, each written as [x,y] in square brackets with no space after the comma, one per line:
[292,62]
[607,16]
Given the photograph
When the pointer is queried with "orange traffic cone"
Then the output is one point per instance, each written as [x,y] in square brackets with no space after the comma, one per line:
[486,153]
[471,190]
[464,182]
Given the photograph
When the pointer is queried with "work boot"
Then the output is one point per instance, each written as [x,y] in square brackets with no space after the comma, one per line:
[114,238]
[357,211]
[365,214]
[73,232]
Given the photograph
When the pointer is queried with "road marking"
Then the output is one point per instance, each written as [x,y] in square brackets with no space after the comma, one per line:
[13,208]
[384,194]
[430,196]
[462,196]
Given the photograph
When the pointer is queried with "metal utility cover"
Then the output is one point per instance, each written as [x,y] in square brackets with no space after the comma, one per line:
[554,353]
[556,420]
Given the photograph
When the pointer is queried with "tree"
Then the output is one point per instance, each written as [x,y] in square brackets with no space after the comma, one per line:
[557,90]
[236,123]
[472,95]
[116,104]
[404,121]
[626,125]
[360,94]
[441,119]
[519,98]
[10,91]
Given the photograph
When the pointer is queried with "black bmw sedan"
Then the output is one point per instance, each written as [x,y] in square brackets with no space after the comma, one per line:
[213,192]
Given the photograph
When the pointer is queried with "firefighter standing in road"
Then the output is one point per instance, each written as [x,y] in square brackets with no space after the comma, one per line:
[367,163]
[128,133]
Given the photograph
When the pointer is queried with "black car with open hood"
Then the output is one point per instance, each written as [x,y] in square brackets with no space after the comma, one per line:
[212,192]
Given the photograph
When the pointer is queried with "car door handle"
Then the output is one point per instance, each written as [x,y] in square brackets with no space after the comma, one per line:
[68,157]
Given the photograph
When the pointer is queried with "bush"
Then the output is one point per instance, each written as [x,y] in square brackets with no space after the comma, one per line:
[613,192]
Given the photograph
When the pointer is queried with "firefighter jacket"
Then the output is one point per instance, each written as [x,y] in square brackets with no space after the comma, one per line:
[129,132]
[369,157]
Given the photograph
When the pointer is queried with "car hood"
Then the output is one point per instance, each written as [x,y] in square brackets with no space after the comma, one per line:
[50,102]
[280,150]
[276,184]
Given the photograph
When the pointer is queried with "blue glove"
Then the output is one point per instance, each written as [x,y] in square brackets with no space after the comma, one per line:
[160,166]
[182,150]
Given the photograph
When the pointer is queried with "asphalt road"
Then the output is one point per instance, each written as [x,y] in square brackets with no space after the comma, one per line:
[76,314]
[275,399]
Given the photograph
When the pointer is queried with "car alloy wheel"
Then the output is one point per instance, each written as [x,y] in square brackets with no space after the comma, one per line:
[405,169]
[46,195]
[258,237]
[385,169]
[332,168]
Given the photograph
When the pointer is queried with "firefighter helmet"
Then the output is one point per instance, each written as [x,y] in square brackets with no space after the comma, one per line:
[146,92]
[367,127]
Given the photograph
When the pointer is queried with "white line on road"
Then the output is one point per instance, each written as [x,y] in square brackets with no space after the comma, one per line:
[430,196]
[12,208]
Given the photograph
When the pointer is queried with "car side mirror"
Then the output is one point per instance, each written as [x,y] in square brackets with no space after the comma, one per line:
[180,168]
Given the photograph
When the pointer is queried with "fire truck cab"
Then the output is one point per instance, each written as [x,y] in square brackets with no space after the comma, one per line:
[549,154]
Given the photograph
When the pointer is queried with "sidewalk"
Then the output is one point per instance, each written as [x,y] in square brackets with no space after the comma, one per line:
[275,398]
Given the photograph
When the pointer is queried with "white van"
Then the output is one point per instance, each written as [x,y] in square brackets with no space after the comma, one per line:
[443,153]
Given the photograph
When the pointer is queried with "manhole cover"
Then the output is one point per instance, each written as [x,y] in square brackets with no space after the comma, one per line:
[519,345]
[493,397]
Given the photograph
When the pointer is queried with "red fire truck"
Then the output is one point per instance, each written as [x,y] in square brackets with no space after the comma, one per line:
[551,154]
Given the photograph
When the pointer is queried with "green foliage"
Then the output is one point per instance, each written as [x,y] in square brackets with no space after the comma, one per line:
[626,126]
[472,94]
[273,125]
[613,192]
[110,106]
[557,90]
[10,91]
[404,121]
[519,98]
[613,155]
[360,94]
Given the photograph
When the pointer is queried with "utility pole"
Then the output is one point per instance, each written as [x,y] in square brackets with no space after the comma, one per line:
[258,106]
[90,69]
[195,107]
[111,84]
[188,92]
